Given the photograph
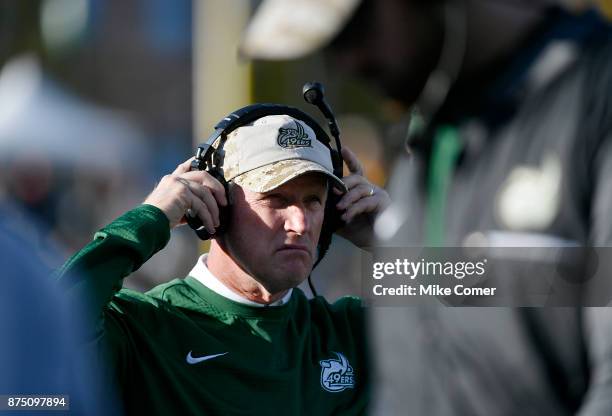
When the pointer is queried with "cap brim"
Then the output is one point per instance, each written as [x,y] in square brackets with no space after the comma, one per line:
[269,177]
[289,29]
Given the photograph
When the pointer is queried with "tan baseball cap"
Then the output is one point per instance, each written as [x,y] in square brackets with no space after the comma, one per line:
[273,150]
[289,29]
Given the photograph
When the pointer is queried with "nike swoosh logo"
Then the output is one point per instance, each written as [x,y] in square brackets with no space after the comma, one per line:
[195,360]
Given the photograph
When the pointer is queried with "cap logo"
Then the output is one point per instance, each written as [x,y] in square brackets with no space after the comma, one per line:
[289,138]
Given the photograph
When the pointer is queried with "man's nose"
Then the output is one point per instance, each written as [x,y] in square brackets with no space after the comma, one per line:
[296,219]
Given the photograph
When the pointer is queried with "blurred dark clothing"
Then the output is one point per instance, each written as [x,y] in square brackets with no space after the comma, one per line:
[534,165]
[33,320]
[40,330]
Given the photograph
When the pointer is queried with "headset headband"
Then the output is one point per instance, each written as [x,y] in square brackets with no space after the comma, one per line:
[249,114]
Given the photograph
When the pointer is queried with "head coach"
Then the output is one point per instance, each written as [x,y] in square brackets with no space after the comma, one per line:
[235,337]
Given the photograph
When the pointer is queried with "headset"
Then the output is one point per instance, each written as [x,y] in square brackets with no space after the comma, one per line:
[210,158]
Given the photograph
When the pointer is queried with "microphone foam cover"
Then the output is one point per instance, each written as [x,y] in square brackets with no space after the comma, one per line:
[312,96]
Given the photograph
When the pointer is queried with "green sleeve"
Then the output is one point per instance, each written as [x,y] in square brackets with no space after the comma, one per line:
[94,274]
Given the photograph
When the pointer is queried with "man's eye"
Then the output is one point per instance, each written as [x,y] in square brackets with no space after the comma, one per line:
[275,200]
[314,199]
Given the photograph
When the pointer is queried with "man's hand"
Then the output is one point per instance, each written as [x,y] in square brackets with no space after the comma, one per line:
[363,203]
[184,190]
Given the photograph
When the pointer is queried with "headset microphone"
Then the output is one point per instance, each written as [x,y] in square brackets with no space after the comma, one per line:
[314,93]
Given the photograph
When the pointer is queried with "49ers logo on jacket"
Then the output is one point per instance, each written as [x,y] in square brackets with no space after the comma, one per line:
[337,375]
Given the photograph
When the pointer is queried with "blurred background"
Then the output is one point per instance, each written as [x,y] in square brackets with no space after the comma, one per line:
[96,103]
[100,98]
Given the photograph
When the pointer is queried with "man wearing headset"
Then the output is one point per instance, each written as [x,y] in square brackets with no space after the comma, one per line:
[235,336]
[513,147]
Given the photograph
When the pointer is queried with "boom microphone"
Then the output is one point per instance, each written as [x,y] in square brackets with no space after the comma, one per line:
[314,93]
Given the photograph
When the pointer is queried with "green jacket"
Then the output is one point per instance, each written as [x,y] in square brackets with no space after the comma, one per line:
[182,349]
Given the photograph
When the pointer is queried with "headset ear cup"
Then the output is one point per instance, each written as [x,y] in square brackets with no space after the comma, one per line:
[224,213]
[331,222]
[332,214]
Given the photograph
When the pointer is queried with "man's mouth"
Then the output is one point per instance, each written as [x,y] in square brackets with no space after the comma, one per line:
[294,248]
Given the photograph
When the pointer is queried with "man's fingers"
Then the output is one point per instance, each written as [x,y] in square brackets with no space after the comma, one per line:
[354,180]
[192,191]
[358,192]
[203,194]
[183,167]
[353,164]
[363,206]
[203,177]
[210,182]
[200,209]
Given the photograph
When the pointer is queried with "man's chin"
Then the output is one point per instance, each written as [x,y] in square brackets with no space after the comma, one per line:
[287,278]
[291,268]
[283,283]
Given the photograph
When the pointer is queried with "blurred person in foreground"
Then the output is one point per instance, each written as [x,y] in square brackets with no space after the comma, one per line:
[41,330]
[512,146]
[236,336]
